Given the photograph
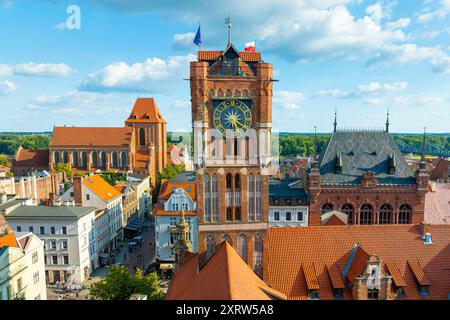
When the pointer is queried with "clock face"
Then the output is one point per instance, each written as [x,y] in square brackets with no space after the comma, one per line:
[232,118]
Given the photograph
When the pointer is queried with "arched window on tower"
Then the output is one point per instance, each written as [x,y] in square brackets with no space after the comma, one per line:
[65,157]
[102,159]
[348,210]
[404,214]
[251,197]
[83,159]
[215,199]
[242,246]
[327,207]
[226,237]
[385,215]
[258,255]
[365,216]
[237,214]
[258,213]
[75,159]
[114,159]
[210,246]
[94,157]
[142,137]
[123,159]
[229,214]
[237,182]
[56,157]
[207,205]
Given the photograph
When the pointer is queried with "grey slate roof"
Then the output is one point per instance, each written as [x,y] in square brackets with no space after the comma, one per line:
[185,176]
[47,212]
[363,151]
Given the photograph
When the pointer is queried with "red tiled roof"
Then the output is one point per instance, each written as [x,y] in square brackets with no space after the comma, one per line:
[4,169]
[145,110]
[335,276]
[35,158]
[100,187]
[120,187]
[9,240]
[158,210]
[394,271]
[167,187]
[357,264]
[419,273]
[437,204]
[215,54]
[291,247]
[441,170]
[310,275]
[91,137]
[224,277]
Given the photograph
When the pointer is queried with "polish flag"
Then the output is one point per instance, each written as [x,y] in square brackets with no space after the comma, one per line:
[250,47]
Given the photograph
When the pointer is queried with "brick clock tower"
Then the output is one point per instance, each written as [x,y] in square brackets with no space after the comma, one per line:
[231,94]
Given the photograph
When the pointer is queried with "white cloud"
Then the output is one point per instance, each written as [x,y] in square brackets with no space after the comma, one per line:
[440,11]
[365,90]
[7,3]
[400,23]
[181,104]
[406,53]
[5,70]
[375,101]
[418,100]
[43,69]
[7,87]
[376,87]
[335,93]
[60,26]
[183,41]
[146,76]
[287,99]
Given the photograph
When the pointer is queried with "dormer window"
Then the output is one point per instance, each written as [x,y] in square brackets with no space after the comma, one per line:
[424,291]
[400,292]
[338,293]
[313,294]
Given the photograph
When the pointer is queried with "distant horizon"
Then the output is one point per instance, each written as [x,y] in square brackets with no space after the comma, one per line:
[280,132]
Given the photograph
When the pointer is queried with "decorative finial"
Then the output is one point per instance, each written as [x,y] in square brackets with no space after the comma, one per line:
[422,156]
[315,144]
[387,120]
[228,24]
[335,119]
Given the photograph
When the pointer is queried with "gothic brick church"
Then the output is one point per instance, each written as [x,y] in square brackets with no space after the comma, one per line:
[139,147]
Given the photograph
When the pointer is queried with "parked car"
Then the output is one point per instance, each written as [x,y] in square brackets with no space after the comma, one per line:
[138,239]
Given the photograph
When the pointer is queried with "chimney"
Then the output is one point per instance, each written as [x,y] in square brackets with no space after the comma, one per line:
[78,196]
[425,231]
[52,200]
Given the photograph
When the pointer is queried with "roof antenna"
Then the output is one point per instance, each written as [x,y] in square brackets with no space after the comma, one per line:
[335,119]
[387,120]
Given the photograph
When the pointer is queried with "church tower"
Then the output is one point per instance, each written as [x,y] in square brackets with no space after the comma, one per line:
[231,95]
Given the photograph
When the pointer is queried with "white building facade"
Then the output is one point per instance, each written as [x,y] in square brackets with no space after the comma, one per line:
[69,237]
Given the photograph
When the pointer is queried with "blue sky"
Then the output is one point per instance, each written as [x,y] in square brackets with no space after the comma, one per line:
[359,56]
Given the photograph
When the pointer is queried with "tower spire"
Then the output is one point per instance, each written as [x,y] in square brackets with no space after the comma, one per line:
[315,146]
[387,121]
[422,156]
[228,24]
[335,119]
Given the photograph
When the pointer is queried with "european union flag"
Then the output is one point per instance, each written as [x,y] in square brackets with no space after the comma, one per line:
[198,37]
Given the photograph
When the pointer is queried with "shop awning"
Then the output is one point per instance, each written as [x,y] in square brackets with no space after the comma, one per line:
[166,266]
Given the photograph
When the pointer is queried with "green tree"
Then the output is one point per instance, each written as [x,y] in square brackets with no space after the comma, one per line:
[119,284]
[64,167]
[168,172]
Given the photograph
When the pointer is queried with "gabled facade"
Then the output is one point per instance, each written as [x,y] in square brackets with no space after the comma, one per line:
[364,175]
[175,196]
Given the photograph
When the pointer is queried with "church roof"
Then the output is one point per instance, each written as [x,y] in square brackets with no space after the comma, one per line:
[35,158]
[360,152]
[91,137]
[437,204]
[145,110]
[346,248]
[224,277]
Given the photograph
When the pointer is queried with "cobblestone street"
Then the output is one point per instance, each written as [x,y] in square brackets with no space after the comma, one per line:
[141,257]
